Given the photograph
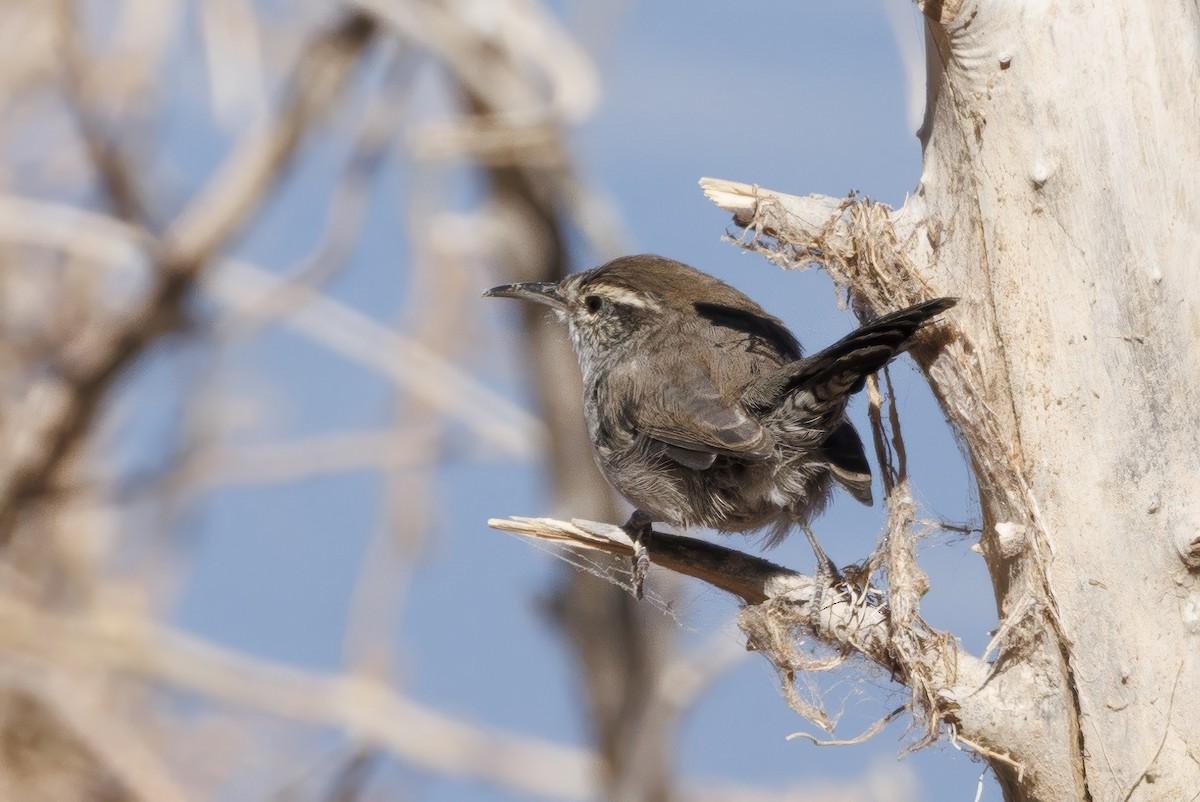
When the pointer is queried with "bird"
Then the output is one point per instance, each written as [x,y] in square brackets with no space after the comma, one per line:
[700,406]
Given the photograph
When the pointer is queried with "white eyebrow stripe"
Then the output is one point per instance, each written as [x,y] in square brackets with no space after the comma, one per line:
[619,295]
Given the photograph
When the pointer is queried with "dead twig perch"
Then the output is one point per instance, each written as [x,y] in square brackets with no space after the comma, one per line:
[845,618]
[779,610]
[750,578]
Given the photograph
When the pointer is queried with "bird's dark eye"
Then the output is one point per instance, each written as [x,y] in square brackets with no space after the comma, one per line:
[594,303]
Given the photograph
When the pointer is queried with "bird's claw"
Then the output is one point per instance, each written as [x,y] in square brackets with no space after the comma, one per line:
[639,528]
[827,576]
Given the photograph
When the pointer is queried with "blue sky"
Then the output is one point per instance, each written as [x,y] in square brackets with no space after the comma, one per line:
[800,97]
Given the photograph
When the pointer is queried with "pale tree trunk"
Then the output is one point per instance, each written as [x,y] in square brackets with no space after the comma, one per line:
[1060,200]
[1062,169]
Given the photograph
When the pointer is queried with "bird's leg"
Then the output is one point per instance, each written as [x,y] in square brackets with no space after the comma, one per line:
[827,572]
[639,527]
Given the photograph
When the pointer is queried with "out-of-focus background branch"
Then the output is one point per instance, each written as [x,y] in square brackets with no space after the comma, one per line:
[254,414]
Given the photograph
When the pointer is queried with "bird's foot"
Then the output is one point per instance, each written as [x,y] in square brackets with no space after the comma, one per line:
[827,576]
[639,527]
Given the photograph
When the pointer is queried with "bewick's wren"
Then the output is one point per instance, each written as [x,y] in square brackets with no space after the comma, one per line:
[699,405]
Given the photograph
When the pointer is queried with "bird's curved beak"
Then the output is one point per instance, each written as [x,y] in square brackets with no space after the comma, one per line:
[542,292]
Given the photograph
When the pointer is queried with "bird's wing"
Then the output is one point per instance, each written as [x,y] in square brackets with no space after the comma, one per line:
[687,418]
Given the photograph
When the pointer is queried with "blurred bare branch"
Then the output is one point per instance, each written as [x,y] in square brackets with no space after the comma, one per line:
[355,336]
[364,707]
[71,714]
[94,361]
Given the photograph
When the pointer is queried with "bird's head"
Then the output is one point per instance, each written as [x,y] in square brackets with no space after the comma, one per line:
[611,307]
